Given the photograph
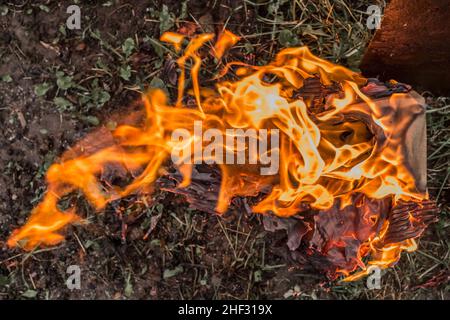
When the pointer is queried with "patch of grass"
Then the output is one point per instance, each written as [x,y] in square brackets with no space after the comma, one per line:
[192,254]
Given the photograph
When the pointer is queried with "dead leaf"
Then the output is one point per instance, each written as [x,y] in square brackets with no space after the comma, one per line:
[188,29]
[207,23]
[170,71]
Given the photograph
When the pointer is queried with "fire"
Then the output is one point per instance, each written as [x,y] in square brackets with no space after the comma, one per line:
[317,166]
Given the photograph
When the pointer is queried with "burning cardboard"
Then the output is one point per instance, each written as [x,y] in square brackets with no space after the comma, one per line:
[350,182]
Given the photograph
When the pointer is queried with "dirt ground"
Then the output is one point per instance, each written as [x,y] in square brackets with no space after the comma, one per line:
[56,85]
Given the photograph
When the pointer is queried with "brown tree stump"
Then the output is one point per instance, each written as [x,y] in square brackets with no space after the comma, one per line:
[412,45]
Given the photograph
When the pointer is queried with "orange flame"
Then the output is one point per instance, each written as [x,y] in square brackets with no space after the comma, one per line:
[225,42]
[316,166]
[173,38]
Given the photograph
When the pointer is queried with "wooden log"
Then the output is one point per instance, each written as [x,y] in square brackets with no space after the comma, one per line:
[412,45]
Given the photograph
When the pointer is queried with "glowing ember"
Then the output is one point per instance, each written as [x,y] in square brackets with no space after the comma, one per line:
[350,147]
